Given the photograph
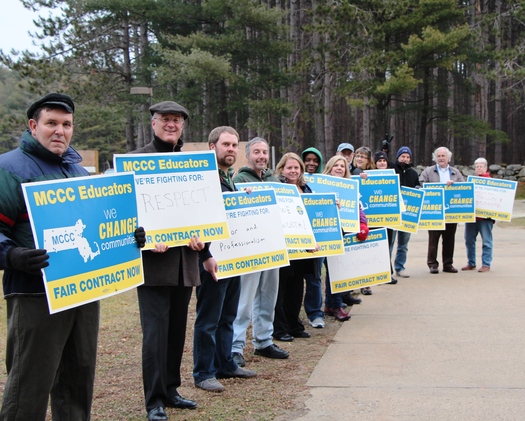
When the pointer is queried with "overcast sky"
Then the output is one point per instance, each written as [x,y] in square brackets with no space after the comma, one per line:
[16,22]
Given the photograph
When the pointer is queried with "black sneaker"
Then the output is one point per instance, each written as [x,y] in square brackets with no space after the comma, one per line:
[238,358]
[272,351]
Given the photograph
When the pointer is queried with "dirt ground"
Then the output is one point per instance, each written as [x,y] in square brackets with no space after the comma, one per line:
[279,391]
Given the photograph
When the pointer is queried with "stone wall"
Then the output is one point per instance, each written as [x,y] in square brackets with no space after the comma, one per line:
[515,172]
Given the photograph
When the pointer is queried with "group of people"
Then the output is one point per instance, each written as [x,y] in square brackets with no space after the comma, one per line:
[55,355]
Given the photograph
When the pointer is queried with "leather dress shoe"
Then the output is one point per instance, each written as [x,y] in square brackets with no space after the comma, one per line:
[180,402]
[272,351]
[349,299]
[157,414]
[434,269]
[484,269]
[450,269]
[468,267]
[393,281]
[285,338]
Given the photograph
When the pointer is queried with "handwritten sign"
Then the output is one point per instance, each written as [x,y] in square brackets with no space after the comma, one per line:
[256,237]
[459,201]
[413,201]
[296,225]
[87,226]
[324,218]
[178,196]
[433,210]
[347,191]
[494,197]
[380,197]
[364,263]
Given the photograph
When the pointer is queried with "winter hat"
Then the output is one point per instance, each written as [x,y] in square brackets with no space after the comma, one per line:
[402,150]
[380,155]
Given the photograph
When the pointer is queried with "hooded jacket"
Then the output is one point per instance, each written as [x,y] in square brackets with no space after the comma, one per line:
[28,163]
[316,152]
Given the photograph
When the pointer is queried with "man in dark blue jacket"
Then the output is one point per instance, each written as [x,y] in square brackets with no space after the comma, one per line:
[45,354]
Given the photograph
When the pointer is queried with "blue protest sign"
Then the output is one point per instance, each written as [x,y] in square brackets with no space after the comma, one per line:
[87,226]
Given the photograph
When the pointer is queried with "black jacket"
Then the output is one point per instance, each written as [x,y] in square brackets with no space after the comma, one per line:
[408,176]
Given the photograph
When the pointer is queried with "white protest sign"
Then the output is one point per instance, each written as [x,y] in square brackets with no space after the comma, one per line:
[298,232]
[178,196]
[494,198]
[364,263]
[257,238]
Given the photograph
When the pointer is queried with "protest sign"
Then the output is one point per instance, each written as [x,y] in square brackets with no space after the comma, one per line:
[413,201]
[296,225]
[87,226]
[433,210]
[494,197]
[178,196]
[347,191]
[365,263]
[256,236]
[380,196]
[324,218]
[459,201]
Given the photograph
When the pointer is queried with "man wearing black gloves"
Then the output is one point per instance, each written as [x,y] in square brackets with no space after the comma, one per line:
[408,177]
[45,354]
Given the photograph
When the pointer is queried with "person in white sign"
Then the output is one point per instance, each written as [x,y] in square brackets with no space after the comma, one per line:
[217,300]
[259,289]
[169,278]
[46,354]
[482,226]
[442,172]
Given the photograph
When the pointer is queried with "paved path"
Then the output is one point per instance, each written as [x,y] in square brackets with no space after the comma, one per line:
[432,347]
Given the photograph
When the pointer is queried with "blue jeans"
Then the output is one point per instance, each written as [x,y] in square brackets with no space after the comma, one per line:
[256,303]
[313,297]
[213,333]
[334,301]
[402,249]
[483,227]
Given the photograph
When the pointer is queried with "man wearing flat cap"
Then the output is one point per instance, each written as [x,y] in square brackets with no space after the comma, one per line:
[169,278]
[45,354]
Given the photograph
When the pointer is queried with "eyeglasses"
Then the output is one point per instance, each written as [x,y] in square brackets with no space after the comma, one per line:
[361,156]
[166,120]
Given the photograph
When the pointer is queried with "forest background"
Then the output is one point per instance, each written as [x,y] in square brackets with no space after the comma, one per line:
[299,73]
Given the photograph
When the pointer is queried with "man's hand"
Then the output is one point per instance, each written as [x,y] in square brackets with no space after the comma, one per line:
[363,232]
[140,237]
[195,243]
[160,248]
[28,260]
[210,266]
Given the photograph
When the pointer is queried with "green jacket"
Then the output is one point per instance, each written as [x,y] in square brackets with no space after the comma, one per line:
[248,175]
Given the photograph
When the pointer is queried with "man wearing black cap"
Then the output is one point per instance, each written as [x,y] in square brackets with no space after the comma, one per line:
[169,278]
[45,354]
